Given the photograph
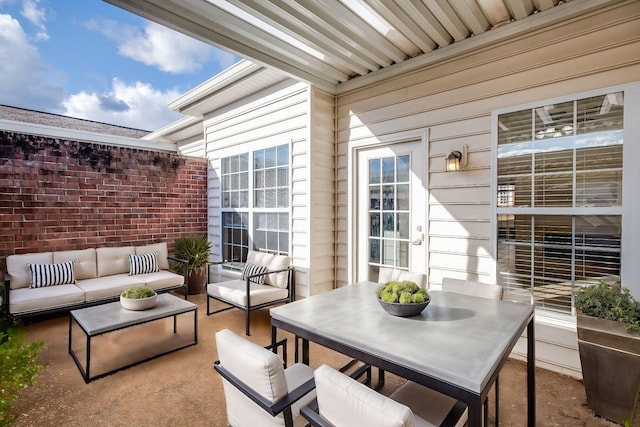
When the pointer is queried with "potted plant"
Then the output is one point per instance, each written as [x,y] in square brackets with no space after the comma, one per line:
[196,251]
[403,299]
[608,322]
[140,297]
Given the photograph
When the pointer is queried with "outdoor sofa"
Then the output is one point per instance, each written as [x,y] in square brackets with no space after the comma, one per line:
[48,282]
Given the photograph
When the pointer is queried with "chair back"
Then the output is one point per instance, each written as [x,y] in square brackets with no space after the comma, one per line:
[344,401]
[388,274]
[257,367]
[470,287]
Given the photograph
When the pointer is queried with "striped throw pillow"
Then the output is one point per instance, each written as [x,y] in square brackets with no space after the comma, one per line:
[251,269]
[52,274]
[143,263]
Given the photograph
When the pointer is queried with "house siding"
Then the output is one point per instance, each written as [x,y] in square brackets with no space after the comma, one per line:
[454,99]
[277,115]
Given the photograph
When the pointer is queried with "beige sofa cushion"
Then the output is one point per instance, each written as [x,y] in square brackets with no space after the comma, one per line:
[26,299]
[108,286]
[18,267]
[85,266]
[113,260]
[161,249]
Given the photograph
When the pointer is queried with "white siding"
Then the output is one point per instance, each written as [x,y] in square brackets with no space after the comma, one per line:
[455,99]
[277,115]
[322,181]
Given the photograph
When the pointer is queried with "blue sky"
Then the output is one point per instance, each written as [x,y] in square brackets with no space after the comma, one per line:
[92,60]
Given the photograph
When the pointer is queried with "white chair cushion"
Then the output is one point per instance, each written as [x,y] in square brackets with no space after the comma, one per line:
[85,266]
[273,263]
[18,267]
[429,407]
[257,367]
[344,402]
[235,291]
[387,274]
[25,299]
[470,287]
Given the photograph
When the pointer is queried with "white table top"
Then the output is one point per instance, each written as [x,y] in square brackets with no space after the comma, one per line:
[108,317]
[457,339]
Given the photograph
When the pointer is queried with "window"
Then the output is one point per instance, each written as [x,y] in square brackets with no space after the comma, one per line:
[255,202]
[559,198]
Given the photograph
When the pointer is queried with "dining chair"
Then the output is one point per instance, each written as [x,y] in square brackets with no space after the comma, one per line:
[388,274]
[344,402]
[258,390]
[480,290]
[416,392]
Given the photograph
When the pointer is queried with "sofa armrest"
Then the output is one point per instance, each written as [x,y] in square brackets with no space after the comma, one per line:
[185,271]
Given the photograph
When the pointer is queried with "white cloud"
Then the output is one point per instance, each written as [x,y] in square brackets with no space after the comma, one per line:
[161,47]
[37,17]
[136,105]
[26,81]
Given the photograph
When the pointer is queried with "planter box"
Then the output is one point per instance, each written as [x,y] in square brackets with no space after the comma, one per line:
[610,359]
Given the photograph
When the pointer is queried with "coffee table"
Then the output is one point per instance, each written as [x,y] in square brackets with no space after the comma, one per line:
[105,318]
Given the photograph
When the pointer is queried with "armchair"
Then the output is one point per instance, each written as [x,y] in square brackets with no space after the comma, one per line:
[258,390]
[266,280]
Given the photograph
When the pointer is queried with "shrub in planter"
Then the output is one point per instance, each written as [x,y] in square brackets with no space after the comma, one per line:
[609,345]
[196,251]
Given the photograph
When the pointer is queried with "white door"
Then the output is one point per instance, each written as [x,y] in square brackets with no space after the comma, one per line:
[391,209]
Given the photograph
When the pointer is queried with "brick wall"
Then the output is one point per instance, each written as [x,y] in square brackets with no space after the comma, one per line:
[61,195]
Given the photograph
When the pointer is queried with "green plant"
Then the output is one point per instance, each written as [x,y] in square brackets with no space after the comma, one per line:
[19,366]
[610,301]
[138,292]
[402,292]
[195,250]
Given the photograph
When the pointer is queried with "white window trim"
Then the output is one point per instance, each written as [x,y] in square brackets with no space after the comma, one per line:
[250,148]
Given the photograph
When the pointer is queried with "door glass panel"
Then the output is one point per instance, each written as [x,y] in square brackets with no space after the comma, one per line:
[388,169]
[389,212]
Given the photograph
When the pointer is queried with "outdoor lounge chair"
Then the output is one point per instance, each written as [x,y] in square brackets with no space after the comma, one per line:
[266,280]
[344,402]
[258,390]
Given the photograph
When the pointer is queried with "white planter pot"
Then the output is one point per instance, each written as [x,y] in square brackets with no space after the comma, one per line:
[139,303]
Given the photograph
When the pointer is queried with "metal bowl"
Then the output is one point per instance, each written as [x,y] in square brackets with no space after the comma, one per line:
[403,310]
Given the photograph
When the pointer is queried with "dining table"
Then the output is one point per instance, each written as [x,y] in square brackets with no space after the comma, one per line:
[456,345]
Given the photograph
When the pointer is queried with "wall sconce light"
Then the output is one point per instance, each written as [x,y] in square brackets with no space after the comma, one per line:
[457,159]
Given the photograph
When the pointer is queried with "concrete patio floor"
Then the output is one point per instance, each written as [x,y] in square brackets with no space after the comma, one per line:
[182,389]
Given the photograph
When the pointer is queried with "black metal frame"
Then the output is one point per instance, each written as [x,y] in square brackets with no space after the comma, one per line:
[272,408]
[75,306]
[86,373]
[291,287]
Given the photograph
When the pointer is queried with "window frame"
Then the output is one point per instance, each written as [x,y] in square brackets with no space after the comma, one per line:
[251,210]
[629,209]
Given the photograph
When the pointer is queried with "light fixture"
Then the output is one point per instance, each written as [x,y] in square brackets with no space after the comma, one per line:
[457,159]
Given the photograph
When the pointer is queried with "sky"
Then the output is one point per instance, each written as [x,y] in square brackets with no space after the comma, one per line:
[91,60]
